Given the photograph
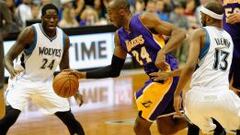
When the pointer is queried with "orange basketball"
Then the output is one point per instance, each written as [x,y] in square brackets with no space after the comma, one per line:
[65,84]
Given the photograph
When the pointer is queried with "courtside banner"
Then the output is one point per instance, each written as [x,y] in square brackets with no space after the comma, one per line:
[86,51]
[91,51]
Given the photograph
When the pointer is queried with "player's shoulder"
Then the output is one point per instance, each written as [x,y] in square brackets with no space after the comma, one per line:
[29,31]
[147,15]
[199,32]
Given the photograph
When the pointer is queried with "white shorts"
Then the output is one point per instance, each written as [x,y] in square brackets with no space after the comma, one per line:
[20,91]
[201,105]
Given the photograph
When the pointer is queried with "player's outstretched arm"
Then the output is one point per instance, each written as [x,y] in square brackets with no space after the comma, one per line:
[112,70]
[24,39]
[177,35]
[188,69]
[164,75]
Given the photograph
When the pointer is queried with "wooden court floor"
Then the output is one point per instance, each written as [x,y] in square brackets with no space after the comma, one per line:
[109,109]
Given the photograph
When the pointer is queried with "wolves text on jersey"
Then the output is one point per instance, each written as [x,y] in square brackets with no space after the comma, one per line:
[50,51]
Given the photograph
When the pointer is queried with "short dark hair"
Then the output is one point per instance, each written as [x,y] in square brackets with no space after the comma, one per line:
[216,7]
[124,4]
[48,6]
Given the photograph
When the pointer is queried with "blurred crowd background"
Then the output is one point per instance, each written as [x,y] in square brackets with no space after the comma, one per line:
[78,13]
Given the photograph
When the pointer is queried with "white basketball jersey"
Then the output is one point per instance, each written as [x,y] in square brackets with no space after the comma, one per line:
[214,60]
[43,55]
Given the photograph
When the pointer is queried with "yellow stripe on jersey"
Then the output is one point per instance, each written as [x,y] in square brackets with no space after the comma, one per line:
[151,97]
[159,40]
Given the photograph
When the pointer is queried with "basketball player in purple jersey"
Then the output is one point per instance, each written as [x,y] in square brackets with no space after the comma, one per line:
[135,37]
[231,23]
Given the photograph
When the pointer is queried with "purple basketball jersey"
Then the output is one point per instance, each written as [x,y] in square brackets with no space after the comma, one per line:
[230,7]
[143,46]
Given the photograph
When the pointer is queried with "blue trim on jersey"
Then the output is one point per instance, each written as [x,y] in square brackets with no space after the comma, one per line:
[64,40]
[206,47]
[32,46]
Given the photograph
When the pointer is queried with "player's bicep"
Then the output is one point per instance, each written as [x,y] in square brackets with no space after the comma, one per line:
[24,39]
[152,21]
[64,64]
[118,51]
[195,47]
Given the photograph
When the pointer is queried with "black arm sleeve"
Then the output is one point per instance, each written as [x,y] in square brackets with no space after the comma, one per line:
[112,70]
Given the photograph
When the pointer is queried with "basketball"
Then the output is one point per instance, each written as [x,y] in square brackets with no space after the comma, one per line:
[65,84]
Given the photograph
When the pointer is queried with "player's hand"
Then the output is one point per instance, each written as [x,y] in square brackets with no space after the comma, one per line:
[233,18]
[161,75]
[80,75]
[177,103]
[160,61]
[15,72]
[79,99]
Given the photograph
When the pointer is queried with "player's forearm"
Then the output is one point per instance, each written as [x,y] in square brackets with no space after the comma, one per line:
[176,38]
[112,70]
[8,62]
[176,72]
[104,72]
[185,75]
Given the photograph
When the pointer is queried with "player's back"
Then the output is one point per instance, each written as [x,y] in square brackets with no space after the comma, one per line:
[214,60]
[143,45]
[43,56]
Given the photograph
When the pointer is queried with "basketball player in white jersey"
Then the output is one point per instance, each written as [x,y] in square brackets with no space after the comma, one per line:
[209,61]
[45,46]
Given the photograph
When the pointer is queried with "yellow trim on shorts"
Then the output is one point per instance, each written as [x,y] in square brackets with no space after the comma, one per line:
[151,97]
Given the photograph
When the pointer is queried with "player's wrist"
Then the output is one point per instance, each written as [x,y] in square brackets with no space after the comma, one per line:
[162,51]
[82,75]
[177,92]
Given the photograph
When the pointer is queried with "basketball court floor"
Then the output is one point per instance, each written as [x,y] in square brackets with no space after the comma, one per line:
[108,109]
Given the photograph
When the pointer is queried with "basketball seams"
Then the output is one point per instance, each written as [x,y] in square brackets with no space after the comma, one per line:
[65,84]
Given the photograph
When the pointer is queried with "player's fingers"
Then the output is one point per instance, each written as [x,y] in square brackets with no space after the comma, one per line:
[159,78]
[154,74]
[231,19]
[19,71]
[67,70]
[234,21]
[13,74]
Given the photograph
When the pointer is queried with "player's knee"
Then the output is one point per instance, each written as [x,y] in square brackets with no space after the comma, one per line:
[167,126]
[141,125]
